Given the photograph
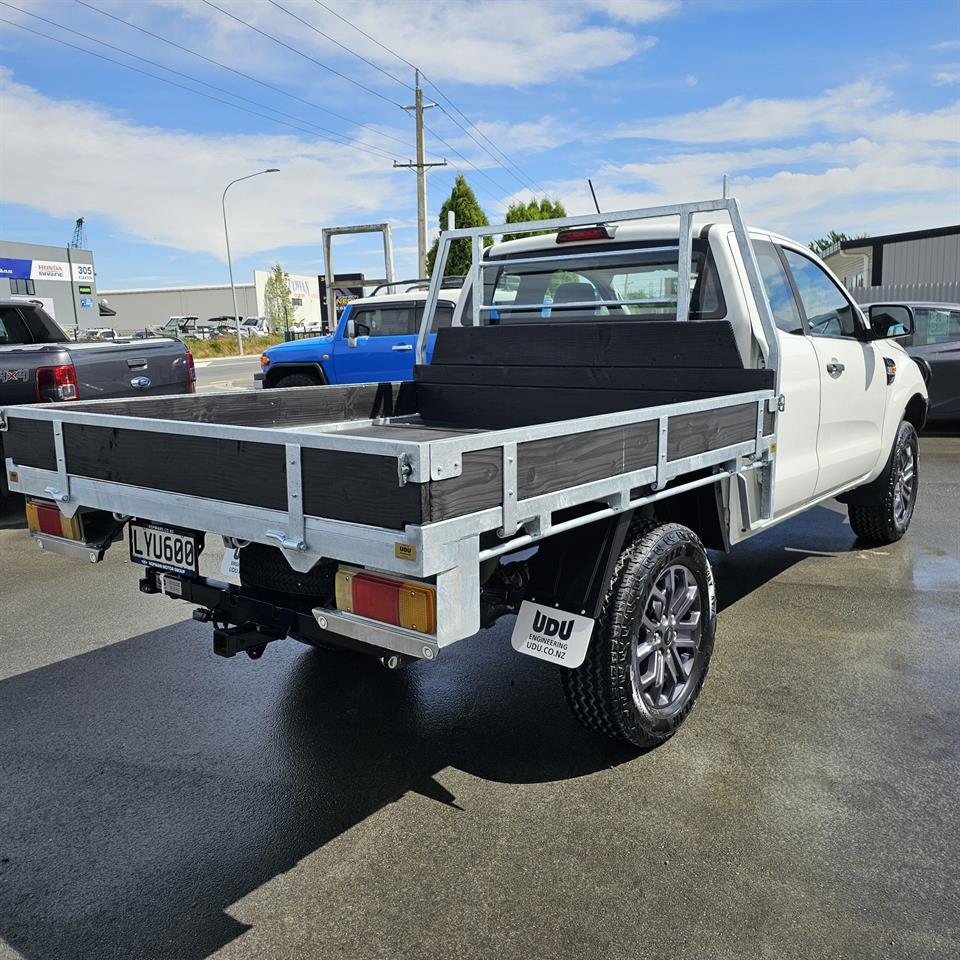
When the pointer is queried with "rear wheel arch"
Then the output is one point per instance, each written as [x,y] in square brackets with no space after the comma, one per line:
[573,569]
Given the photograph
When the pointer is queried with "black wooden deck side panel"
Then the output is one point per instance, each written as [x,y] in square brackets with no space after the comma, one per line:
[479,487]
[544,466]
[235,471]
[29,443]
[639,343]
[267,408]
[693,433]
[359,488]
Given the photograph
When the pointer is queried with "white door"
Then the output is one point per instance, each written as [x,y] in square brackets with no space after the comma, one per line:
[797,463]
[853,379]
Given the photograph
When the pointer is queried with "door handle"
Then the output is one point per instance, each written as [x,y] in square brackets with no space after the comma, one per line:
[835,368]
[402,346]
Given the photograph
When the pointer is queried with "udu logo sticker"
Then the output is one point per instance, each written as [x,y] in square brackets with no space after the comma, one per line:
[552,628]
[553,635]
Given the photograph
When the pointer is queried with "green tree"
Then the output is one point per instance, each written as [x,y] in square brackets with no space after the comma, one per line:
[276,295]
[467,213]
[520,212]
[825,243]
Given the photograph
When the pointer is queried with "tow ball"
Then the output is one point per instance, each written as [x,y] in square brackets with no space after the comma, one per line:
[229,641]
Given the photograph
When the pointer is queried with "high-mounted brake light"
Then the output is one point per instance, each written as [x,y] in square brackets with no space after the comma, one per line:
[191,374]
[575,234]
[57,383]
[403,603]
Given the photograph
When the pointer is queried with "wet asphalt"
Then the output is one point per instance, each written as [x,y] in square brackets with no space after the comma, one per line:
[159,802]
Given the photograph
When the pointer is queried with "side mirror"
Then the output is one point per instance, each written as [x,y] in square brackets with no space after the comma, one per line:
[351,329]
[890,320]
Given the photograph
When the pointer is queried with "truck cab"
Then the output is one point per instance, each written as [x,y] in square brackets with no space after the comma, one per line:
[374,342]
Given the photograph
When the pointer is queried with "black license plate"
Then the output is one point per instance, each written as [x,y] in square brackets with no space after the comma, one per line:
[165,548]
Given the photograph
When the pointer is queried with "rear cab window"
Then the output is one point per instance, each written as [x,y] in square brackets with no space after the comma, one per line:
[637,283]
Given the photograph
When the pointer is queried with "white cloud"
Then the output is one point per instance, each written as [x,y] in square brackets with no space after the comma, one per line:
[164,186]
[743,119]
[889,171]
[946,78]
[497,42]
[946,45]
[635,11]
[528,136]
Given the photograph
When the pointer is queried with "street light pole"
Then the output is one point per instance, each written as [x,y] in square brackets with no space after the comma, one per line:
[226,235]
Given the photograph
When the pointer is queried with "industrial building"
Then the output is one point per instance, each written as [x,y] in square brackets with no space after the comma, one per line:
[142,308]
[63,279]
[917,265]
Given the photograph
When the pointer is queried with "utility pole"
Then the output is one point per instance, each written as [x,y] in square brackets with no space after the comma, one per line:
[420,166]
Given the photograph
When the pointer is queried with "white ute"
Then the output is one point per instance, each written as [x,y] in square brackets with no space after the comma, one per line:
[609,400]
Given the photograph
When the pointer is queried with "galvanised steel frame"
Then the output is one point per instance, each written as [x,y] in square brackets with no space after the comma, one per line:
[447,552]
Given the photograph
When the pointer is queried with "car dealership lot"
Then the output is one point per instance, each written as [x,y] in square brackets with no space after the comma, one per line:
[157,801]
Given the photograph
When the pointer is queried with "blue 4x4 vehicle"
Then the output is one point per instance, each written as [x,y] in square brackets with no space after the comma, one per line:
[373,343]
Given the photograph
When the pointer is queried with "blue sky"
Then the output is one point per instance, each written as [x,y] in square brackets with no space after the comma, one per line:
[826,115]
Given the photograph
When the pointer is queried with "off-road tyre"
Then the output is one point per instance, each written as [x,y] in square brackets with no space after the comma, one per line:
[600,693]
[297,380]
[886,519]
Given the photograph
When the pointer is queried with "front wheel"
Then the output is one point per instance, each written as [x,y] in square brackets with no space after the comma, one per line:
[886,520]
[651,647]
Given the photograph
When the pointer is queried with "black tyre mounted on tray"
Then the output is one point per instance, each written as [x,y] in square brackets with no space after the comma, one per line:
[651,647]
[883,510]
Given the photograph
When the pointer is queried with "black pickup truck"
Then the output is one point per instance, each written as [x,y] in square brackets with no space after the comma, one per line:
[39,363]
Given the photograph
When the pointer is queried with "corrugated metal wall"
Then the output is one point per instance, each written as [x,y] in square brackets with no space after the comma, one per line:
[932,260]
[948,292]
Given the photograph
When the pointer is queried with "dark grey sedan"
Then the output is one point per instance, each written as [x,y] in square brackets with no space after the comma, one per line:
[934,343]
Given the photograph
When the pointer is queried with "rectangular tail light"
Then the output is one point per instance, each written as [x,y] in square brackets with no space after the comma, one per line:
[45,517]
[55,384]
[403,603]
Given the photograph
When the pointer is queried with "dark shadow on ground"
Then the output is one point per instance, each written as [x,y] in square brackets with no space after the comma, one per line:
[147,786]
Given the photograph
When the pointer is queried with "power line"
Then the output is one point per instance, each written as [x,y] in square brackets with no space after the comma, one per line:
[473,166]
[187,76]
[305,56]
[357,83]
[525,179]
[342,46]
[240,73]
[173,83]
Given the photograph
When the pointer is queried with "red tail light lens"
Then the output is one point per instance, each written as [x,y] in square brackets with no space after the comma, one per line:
[191,374]
[575,234]
[55,384]
[410,604]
